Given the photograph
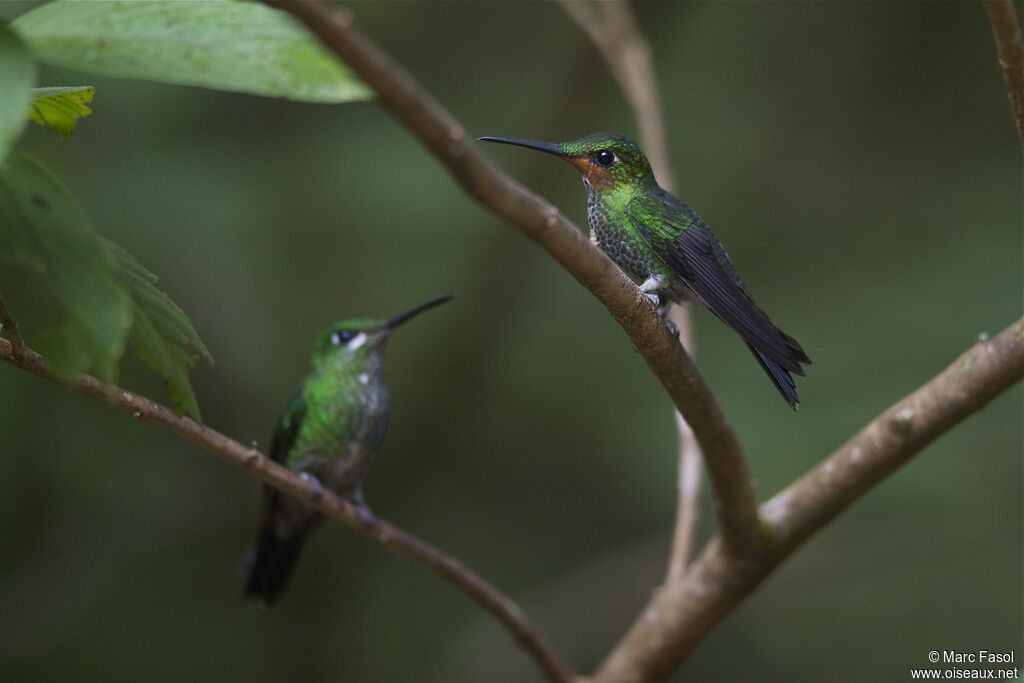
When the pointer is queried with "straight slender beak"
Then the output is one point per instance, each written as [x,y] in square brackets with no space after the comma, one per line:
[549,147]
[394,322]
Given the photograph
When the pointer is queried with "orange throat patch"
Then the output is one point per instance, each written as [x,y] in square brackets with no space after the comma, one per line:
[598,177]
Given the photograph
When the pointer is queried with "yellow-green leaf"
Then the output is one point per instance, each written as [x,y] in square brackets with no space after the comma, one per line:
[60,108]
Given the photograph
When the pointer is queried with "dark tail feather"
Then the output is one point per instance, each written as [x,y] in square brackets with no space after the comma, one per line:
[783,380]
[274,560]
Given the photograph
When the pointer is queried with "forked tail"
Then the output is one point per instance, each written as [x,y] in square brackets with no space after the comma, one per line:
[780,377]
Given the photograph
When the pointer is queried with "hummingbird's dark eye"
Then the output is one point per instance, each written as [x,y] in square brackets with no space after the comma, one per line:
[604,157]
[342,337]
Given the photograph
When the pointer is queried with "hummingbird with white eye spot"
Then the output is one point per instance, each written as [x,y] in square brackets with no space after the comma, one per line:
[666,249]
[330,432]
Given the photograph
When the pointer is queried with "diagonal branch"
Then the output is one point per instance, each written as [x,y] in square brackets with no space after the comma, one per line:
[340,509]
[542,222]
[677,618]
[10,328]
[1006,31]
[986,370]
[613,29]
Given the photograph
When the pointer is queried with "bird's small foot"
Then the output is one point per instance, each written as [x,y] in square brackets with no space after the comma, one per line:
[661,304]
[673,328]
[318,488]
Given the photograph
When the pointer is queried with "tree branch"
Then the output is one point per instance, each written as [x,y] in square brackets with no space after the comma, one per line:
[542,222]
[613,29]
[986,370]
[679,616]
[1006,30]
[340,509]
[688,496]
[10,328]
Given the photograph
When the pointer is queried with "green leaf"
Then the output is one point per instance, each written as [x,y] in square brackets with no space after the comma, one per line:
[221,44]
[161,335]
[17,76]
[42,227]
[105,297]
[60,108]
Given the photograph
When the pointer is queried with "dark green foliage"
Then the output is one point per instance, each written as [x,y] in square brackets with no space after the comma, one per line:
[104,296]
[42,227]
[161,334]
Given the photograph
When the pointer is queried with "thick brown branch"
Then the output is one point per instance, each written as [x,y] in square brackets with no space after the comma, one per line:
[542,222]
[1006,30]
[283,479]
[887,442]
[679,616]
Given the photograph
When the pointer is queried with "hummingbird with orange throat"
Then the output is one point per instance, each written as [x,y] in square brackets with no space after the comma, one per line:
[667,249]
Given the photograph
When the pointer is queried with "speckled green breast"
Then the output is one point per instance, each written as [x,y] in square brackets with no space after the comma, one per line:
[340,438]
[612,231]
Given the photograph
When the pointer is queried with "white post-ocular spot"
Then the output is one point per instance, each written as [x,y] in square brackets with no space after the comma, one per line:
[357,341]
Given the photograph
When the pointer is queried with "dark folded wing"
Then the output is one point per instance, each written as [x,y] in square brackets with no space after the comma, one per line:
[286,523]
[288,428]
[687,246]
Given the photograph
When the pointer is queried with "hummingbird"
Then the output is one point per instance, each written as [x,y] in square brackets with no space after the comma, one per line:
[330,432]
[666,249]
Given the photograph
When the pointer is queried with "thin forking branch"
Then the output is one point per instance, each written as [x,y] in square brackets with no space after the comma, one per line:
[680,615]
[1006,31]
[357,517]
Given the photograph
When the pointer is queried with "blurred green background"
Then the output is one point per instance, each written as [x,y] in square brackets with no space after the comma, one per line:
[858,160]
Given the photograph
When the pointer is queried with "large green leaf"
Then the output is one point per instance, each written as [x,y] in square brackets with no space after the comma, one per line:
[16,80]
[42,227]
[162,335]
[105,297]
[222,44]
[60,108]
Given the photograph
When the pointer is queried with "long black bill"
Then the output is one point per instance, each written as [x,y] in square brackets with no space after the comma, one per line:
[392,323]
[549,147]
